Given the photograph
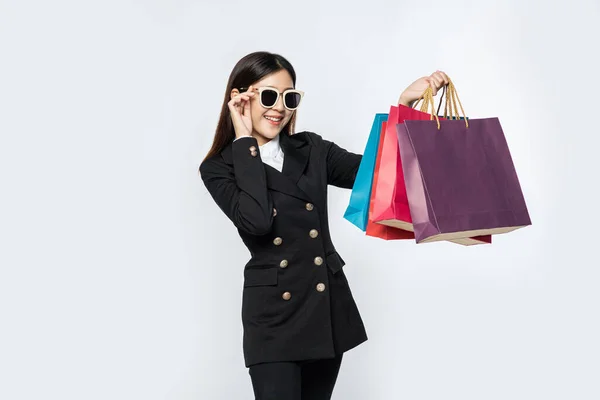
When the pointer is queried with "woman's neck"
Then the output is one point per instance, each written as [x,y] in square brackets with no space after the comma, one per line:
[260,139]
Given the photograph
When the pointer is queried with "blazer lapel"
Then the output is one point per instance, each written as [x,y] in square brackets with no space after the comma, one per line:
[295,155]
[295,158]
[282,183]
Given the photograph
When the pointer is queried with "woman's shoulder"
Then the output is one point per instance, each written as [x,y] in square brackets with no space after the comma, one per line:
[220,161]
[311,137]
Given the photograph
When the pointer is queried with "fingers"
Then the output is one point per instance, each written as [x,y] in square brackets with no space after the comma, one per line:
[250,91]
[444,77]
[242,97]
[240,103]
[437,80]
[440,78]
[244,103]
[432,85]
[239,107]
[246,107]
[235,105]
[246,96]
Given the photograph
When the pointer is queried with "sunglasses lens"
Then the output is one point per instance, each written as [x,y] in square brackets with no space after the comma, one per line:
[292,100]
[268,97]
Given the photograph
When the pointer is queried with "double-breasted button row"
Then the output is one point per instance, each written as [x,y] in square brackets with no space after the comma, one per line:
[285,263]
[253,151]
[287,295]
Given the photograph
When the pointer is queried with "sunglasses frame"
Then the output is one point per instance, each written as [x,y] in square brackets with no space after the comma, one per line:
[263,88]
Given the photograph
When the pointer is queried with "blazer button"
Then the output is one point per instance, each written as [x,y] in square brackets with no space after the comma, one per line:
[286,296]
[309,206]
[253,153]
[283,263]
[321,287]
[318,260]
[274,211]
[277,241]
[313,233]
[252,148]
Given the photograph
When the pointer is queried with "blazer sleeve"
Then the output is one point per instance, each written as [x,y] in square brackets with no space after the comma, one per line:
[342,166]
[241,192]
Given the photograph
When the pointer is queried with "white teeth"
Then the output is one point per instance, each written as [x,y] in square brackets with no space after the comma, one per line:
[273,119]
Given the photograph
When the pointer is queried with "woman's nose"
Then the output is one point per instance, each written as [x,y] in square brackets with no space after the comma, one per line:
[279,104]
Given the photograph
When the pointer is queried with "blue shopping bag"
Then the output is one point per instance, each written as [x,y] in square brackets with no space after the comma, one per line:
[358,208]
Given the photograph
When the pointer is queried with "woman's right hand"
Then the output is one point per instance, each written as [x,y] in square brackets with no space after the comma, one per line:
[239,107]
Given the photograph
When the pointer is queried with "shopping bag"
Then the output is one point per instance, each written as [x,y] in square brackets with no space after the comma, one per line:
[390,206]
[379,230]
[460,178]
[358,208]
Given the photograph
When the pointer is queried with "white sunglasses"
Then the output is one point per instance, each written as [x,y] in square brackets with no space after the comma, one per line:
[270,96]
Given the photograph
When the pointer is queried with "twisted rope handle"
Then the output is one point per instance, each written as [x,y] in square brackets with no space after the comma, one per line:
[427,98]
[454,100]
[450,107]
[424,107]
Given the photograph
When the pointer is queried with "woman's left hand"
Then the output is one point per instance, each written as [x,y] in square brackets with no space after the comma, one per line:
[436,80]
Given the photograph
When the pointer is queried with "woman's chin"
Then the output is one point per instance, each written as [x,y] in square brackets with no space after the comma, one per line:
[270,132]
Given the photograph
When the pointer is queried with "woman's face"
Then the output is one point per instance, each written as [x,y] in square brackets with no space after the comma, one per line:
[263,129]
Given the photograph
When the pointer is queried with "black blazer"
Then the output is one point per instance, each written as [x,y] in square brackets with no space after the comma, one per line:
[296,302]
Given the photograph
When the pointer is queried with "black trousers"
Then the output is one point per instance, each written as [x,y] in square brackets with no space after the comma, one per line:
[299,380]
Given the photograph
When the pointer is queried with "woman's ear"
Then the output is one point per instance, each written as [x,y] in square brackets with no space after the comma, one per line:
[233,93]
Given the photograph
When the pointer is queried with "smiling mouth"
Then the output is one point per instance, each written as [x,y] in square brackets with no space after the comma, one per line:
[274,119]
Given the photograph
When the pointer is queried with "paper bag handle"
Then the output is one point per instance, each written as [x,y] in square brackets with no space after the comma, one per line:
[427,98]
[450,108]
[424,106]
[454,100]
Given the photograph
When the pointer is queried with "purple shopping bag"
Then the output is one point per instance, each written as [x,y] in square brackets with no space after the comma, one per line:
[460,179]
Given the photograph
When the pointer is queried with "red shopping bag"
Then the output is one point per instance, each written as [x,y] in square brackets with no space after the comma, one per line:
[378,230]
[391,207]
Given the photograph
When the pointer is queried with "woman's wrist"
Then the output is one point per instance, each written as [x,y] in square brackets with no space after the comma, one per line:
[241,136]
[403,100]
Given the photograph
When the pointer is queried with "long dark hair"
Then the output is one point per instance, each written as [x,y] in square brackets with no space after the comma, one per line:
[246,72]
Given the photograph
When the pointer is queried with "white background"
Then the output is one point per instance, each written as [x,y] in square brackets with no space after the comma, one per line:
[121,279]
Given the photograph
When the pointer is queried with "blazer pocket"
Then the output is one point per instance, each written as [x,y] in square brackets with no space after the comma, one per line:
[334,261]
[261,277]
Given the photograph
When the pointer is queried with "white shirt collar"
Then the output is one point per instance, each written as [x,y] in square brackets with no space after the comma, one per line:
[270,149]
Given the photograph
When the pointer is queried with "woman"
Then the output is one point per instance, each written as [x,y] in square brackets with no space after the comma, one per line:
[298,313]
